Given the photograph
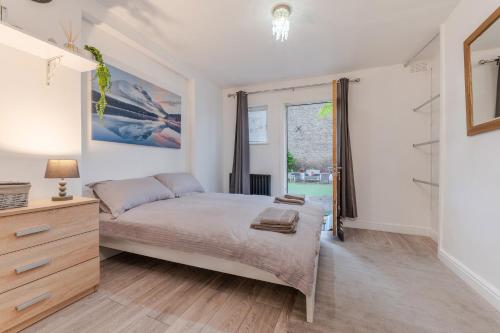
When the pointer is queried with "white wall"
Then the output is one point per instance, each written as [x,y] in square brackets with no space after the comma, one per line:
[45,20]
[201,112]
[37,121]
[435,114]
[108,160]
[206,147]
[383,129]
[470,182]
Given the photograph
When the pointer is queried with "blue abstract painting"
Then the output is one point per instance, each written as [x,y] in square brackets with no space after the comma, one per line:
[138,112]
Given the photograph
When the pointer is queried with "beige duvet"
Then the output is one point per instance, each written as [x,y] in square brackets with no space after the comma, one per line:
[218,225]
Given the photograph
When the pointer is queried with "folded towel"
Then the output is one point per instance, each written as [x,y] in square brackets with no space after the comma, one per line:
[281,229]
[289,201]
[277,220]
[296,196]
[277,216]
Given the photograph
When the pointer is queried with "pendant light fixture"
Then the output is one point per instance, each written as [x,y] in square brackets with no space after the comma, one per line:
[281,22]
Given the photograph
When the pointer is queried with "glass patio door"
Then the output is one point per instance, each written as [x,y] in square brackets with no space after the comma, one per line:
[310,154]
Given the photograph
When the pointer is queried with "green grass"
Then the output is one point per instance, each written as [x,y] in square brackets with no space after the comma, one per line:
[310,189]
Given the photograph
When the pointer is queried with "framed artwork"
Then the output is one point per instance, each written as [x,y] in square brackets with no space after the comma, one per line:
[138,112]
[257,124]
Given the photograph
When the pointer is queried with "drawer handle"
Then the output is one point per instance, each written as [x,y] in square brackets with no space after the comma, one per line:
[33,265]
[32,230]
[33,301]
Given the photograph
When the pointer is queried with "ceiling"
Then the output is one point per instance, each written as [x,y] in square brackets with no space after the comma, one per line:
[230,41]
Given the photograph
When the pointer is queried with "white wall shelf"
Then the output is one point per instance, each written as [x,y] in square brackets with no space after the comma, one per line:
[427,102]
[415,180]
[23,41]
[416,145]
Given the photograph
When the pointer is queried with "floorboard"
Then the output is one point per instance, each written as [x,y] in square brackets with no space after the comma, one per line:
[373,282]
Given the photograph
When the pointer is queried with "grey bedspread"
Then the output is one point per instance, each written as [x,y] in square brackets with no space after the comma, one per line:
[218,225]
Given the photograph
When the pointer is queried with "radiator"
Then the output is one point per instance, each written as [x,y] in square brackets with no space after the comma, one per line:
[259,184]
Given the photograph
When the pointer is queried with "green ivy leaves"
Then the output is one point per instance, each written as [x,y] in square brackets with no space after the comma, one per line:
[103,79]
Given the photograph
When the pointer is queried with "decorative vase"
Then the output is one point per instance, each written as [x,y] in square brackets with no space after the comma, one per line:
[71,47]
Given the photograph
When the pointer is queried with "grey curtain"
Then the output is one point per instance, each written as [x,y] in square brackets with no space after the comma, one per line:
[240,180]
[346,189]
[497,110]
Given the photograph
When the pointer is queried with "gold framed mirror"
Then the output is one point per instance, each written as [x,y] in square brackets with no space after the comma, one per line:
[482,76]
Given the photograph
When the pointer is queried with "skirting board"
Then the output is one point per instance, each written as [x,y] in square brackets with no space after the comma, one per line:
[434,235]
[484,288]
[397,228]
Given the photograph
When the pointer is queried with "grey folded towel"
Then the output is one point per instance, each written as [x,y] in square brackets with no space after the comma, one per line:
[281,229]
[289,201]
[296,196]
[277,220]
[277,216]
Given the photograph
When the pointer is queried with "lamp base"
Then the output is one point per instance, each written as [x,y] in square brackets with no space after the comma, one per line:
[62,192]
[68,197]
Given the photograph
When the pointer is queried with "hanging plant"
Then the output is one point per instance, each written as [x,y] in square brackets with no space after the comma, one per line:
[103,79]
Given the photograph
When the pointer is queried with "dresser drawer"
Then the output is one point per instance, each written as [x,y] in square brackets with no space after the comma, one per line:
[31,300]
[20,267]
[21,231]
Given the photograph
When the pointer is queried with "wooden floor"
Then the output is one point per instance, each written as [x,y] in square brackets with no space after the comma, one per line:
[374,282]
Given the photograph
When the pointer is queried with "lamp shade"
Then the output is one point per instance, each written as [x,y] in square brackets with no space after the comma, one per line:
[62,169]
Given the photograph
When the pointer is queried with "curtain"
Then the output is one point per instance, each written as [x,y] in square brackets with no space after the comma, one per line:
[497,110]
[240,179]
[346,190]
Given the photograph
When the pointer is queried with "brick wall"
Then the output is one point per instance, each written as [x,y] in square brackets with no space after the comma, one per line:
[310,137]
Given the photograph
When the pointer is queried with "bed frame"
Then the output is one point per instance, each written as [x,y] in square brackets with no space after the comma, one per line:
[207,262]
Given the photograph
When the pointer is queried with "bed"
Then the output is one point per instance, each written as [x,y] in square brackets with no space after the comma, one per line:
[212,231]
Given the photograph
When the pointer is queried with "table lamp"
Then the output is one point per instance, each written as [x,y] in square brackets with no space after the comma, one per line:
[62,169]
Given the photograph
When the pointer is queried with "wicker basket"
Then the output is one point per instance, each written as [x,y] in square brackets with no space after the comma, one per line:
[14,195]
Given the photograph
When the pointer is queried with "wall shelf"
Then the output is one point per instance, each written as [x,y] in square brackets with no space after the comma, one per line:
[415,145]
[426,102]
[53,54]
[415,180]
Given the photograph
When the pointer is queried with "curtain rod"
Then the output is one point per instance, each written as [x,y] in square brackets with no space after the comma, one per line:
[487,61]
[356,80]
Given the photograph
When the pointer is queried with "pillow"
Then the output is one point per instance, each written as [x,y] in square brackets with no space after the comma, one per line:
[180,183]
[121,195]
[89,193]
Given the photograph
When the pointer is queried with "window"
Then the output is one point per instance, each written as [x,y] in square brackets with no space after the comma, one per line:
[257,124]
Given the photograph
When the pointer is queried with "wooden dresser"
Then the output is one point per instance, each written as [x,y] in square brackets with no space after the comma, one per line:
[49,258]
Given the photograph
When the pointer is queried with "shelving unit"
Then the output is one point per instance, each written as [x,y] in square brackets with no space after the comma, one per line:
[416,145]
[415,180]
[426,103]
[54,55]
[425,143]
[426,149]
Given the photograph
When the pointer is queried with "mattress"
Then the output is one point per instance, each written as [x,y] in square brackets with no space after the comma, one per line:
[218,225]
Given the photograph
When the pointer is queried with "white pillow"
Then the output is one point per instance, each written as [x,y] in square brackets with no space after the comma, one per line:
[122,195]
[181,183]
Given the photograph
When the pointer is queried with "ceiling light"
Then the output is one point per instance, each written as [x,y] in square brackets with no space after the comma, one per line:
[281,24]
